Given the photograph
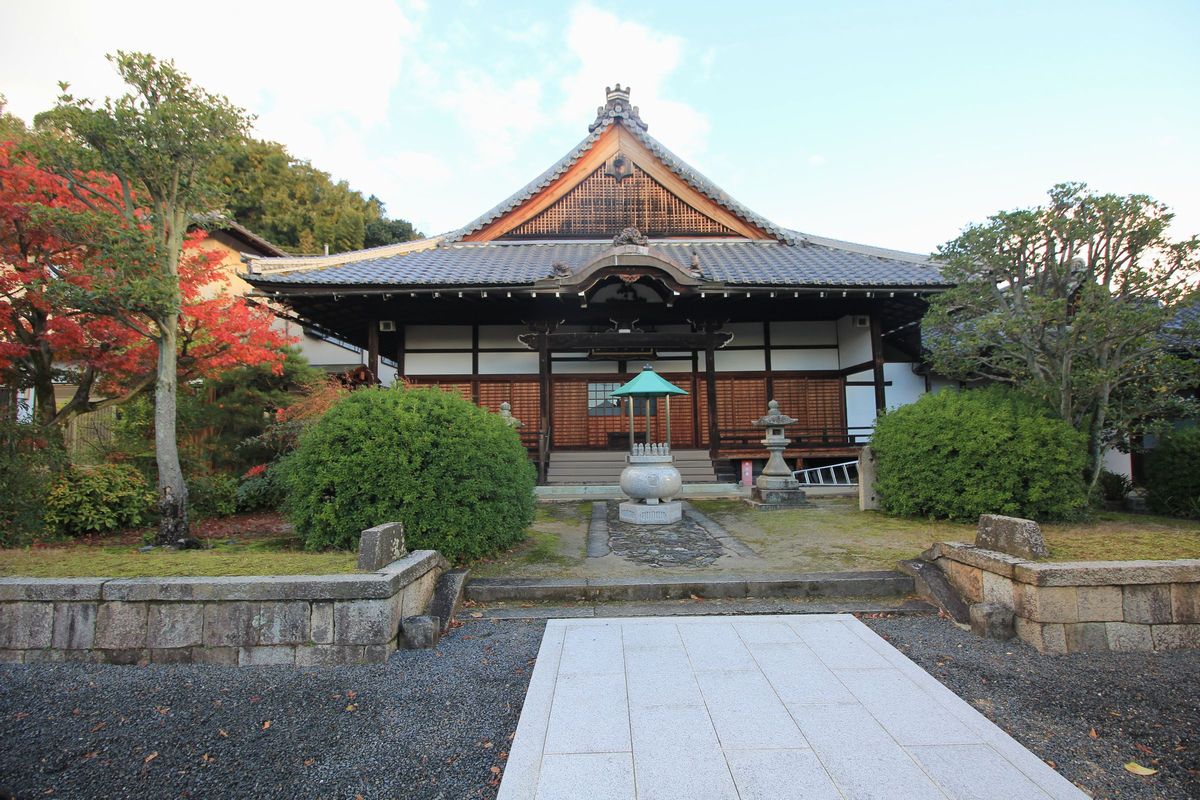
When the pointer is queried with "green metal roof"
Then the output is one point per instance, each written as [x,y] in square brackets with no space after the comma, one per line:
[648,383]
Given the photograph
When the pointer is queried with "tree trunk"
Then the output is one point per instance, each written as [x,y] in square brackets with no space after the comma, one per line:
[1095,452]
[172,491]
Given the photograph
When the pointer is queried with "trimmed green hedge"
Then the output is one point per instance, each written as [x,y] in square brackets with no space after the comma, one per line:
[959,454]
[454,474]
[1173,474]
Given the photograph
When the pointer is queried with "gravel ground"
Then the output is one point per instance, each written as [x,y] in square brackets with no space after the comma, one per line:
[1142,707]
[428,724]
[435,724]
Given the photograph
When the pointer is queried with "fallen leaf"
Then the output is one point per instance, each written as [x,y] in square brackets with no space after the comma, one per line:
[487,745]
[154,755]
[98,726]
[20,715]
[1138,769]
[476,614]
[1144,749]
[162,709]
[224,734]
[495,770]
[1092,734]
[266,724]
[351,694]
[207,759]
[308,762]
[352,707]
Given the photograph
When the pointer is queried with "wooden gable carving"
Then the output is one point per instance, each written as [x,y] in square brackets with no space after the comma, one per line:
[618,183]
[602,204]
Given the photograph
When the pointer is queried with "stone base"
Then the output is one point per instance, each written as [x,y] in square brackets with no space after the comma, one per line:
[772,499]
[658,514]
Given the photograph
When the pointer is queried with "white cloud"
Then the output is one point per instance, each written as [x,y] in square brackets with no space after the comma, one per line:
[612,50]
[816,160]
[497,118]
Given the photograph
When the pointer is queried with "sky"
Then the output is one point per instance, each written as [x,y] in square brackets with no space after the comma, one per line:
[886,123]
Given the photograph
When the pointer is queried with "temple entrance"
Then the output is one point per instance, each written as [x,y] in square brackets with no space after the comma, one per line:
[586,416]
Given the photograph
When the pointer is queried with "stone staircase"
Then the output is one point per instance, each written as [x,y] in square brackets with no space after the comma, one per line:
[603,467]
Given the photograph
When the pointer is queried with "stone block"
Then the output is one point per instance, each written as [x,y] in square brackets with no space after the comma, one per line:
[1100,603]
[1086,637]
[268,656]
[228,624]
[1128,637]
[447,595]
[321,625]
[992,621]
[1185,602]
[966,579]
[420,633]
[986,560]
[997,589]
[174,625]
[380,546]
[1149,604]
[280,622]
[365,621]
[121,626]
[378,653]
[1046,603]
[418,595]
[329,655]
[84,656]
[74,626]
[45,656]
[868,497]
[646,514]
[171,655]
[223,656]
[26,626]
[128,657]
[1012,535]
[50,589]
[257,588]
[1109,573]
[12,656]
[1046,637]
[1176,637]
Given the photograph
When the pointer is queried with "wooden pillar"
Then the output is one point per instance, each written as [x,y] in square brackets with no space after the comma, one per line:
[710,374]
[877,364]
[544,396]
[373,347]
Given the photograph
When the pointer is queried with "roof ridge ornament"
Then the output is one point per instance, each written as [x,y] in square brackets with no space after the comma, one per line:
[630,235]
[616,106]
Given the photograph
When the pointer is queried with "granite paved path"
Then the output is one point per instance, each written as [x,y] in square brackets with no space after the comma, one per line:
[750,708]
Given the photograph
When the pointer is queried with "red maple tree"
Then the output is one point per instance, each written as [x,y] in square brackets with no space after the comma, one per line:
[107,356]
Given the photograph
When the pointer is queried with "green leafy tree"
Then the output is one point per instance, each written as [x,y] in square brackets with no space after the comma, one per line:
[160,141]
[299,207]
[1069,302]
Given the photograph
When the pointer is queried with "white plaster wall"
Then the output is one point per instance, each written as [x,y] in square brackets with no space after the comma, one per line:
[433,337]
[803,359]
[494,336]
[860,407]
[745,334]
[806,333]
[437,363]
[663,366]
[907,387]
[1118,462]
[740,360]
[854,343]
[508,363]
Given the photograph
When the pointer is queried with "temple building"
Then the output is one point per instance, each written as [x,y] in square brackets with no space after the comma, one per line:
[617,256]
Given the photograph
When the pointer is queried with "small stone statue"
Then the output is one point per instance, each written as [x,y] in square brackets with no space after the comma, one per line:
[506,415]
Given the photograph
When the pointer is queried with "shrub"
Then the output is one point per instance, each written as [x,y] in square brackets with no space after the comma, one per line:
[213,495]
[959,454]
[259,490]
[455,475]
[1114,486]
[1173,474]
[99,499]
[30,464]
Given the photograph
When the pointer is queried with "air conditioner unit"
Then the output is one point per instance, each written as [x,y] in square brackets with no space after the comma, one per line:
[862,321]
[387,325]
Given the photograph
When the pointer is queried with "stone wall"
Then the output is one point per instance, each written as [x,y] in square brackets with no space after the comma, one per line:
[305,620]
[1069,607]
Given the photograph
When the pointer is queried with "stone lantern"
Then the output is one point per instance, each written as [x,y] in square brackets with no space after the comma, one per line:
[776,487]
[650,479]
[506,415]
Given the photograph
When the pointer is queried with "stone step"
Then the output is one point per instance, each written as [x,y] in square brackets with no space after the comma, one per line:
[879,583]
[691,608]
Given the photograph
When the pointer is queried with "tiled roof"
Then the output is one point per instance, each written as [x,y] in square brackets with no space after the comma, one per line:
[735,263]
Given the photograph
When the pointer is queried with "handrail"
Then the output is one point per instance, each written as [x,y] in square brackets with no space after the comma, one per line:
[800,436]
